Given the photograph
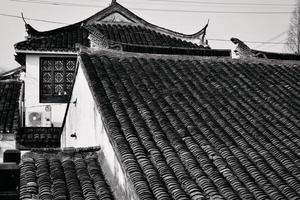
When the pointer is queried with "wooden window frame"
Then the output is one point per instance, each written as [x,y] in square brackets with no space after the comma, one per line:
[54,98]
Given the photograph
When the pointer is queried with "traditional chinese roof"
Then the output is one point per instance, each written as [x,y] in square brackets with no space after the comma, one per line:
[117,24]
[63,40]
[63,174]
[38,137]
[190,127]
[10,101]
[122,34]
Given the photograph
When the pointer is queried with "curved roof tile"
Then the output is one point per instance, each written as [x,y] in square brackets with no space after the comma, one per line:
[63,174]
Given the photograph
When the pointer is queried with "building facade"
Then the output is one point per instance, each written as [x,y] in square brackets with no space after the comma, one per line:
[50,56]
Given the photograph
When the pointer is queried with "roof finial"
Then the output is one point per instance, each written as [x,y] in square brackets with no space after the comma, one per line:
[113,2]
[23,18]
[204,33]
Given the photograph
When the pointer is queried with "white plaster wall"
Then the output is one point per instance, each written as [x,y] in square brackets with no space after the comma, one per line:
[81,116]
[32,91]
[84,119]
[109,154]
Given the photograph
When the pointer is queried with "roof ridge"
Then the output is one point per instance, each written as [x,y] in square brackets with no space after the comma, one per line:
[129,54]
[11,81]
[126,54]
[35,34]
[66,150]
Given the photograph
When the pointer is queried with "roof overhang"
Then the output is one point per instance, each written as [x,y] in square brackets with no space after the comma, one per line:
[116,9]
[47,52]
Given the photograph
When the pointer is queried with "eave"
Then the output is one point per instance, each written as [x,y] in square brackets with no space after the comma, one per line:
[117,8]
[74,53]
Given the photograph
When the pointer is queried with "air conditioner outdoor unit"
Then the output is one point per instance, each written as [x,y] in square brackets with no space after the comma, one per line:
[39,118]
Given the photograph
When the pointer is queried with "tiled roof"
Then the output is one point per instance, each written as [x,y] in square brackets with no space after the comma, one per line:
[139,35]
[58,40]
[116,12]
[193,127]
[10,98]
[67,174]
[38,137]
[64,39]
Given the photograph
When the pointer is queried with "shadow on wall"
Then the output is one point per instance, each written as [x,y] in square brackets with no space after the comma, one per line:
[120,191]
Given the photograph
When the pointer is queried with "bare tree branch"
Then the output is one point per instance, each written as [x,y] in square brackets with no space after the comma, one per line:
[293,36]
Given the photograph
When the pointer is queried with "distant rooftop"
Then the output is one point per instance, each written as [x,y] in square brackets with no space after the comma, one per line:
[117,24]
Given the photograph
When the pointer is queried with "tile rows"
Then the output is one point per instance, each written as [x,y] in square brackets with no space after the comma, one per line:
[62,175]
[139,35]
[201,128]
[63,40]
[36,137]
[10,91]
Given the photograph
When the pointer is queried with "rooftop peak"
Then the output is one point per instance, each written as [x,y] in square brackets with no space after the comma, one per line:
[113,2]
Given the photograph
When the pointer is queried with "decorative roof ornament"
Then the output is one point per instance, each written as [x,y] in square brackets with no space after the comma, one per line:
[113,2]
[242,50]
[29,29]
[98,40]
[23,18]
[203,40]
[27,26]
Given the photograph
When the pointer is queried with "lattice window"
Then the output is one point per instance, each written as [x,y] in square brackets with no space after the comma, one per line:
[57,76]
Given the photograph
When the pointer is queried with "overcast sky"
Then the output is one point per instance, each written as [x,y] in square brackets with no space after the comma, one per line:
[249,20]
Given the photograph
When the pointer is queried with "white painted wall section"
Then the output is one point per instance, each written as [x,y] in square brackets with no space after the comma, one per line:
[81,116]
[84,119]
[32,91]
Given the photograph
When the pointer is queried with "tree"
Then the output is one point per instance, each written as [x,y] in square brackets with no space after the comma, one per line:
[293,34]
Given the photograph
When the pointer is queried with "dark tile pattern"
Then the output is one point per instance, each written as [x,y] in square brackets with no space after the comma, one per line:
[38,137]
[201,128]
[10,96]
[64,39]
[176,50]
[139,35]
[276,56]
[68,174]
[56,40]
